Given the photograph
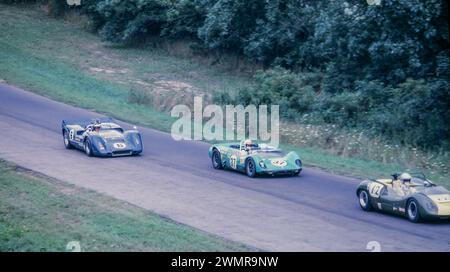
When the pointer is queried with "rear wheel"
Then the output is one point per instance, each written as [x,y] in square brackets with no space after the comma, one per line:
[216,160]
[364,200]
[88,148]
[67,143]
[250,168]
[412,211]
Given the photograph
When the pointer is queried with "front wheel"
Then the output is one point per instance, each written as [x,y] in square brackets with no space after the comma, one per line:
[88,148]
[250,168]
[216,160]
[412,211]
[364,200]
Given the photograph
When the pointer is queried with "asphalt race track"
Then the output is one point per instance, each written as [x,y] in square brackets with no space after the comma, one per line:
[314,212]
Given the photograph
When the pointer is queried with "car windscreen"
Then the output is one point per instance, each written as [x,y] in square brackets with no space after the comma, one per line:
[270,153]
[418,176]
[419,182]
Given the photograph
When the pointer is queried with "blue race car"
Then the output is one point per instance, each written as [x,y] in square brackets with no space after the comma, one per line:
[101,138]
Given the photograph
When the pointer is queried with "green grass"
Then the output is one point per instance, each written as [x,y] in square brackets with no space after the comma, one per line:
[61,60]
[343,165]
[38,213]
[63,82]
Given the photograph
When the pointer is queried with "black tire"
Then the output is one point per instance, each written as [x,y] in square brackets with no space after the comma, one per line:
[296,174]
[250,168]
[88,148]
[216,160]
[412,211]
[67,143]
[364,200]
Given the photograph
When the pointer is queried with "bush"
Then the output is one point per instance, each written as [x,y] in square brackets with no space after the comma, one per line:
[229,23]
[185,17]
[295,94]
[56,7]
[131,21]
[20,1]
[415,112]
[419,113]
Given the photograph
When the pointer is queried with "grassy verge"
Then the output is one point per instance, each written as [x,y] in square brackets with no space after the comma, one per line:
[41,214]
[345,166]
[61,60]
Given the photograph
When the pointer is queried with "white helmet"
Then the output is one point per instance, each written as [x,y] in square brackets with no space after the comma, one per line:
[248,143]
[405,177]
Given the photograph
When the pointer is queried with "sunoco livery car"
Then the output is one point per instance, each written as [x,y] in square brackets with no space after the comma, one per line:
[101,138]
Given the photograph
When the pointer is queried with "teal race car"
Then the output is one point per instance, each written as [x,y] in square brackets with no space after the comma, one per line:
[255,159]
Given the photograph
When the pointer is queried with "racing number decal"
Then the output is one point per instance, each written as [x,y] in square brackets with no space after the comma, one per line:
[278,163]
[119,145]
[71,134]
[375,189]
[233,161]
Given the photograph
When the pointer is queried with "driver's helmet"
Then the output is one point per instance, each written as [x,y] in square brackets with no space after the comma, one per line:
[248,144]
[97,125]
[405,177]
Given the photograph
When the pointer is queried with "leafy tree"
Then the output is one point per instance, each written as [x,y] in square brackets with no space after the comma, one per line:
[396,40]
[131,21]
[280,32]
[229,23]
[185,17]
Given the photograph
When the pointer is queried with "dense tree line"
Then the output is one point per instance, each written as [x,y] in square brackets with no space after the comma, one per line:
[379,65]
